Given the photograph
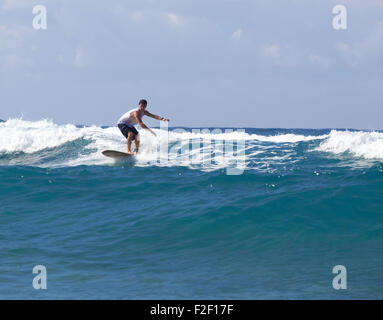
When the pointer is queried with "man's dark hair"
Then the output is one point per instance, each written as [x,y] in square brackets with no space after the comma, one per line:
[143,101]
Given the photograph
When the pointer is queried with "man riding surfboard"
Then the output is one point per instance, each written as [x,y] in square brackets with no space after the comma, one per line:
[133,117]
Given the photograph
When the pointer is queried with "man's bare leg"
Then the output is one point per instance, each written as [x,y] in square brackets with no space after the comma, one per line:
[137,142]
[129,141]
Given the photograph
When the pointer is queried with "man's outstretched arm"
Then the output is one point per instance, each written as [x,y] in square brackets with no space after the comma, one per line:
[143,125]
[154,116]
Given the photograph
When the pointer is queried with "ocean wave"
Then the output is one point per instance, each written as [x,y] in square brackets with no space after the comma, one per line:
[367,145]
[29,137]
[180,148]
[237,134]
[46,144]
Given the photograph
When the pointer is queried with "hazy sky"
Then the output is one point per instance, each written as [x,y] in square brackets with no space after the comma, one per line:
[236,63]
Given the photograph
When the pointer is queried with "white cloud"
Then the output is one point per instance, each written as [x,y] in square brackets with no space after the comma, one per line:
[80,59]
[320,60]
[237,34]
[137,16]
[176,19]
[287,56]
[9,4]
[370,46]
[157,16]
[9,37]
[270,51]
[343,47]
[16,4]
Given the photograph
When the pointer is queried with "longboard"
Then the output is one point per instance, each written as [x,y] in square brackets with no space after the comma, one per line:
[117,154]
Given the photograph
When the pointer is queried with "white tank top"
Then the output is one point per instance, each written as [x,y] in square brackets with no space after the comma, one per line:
[129,119]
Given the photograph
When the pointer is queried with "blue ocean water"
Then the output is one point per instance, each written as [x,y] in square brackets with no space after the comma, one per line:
[307,200]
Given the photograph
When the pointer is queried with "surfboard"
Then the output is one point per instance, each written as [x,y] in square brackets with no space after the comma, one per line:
[117,154]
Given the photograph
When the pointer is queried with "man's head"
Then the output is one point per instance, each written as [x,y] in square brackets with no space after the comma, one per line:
[142,104]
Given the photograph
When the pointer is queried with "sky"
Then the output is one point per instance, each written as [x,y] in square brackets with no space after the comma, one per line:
[201,63]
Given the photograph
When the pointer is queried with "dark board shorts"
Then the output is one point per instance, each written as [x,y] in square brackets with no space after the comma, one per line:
[125,129]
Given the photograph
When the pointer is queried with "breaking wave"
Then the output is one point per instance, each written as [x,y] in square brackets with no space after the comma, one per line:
[46,144]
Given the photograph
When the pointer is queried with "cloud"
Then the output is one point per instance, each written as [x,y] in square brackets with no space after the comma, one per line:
[283,55]
[137,16]
[319,60]
[151,40]
[80,59]
[156,16]
[364,50]
[10,4]
[270,51]
[237,34]
[9,37]
[176,19]
[343,48]
[16,4]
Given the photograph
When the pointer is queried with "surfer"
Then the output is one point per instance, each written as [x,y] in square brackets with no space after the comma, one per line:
[133,117]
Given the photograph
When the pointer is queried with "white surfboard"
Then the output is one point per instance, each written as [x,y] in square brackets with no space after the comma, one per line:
[118,154]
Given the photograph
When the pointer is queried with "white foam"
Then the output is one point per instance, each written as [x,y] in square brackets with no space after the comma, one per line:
[29,137]
[368,145]
[218,134]
[17,135]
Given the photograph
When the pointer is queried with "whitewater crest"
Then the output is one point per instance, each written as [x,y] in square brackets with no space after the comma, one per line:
[367,145]
[46,144]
